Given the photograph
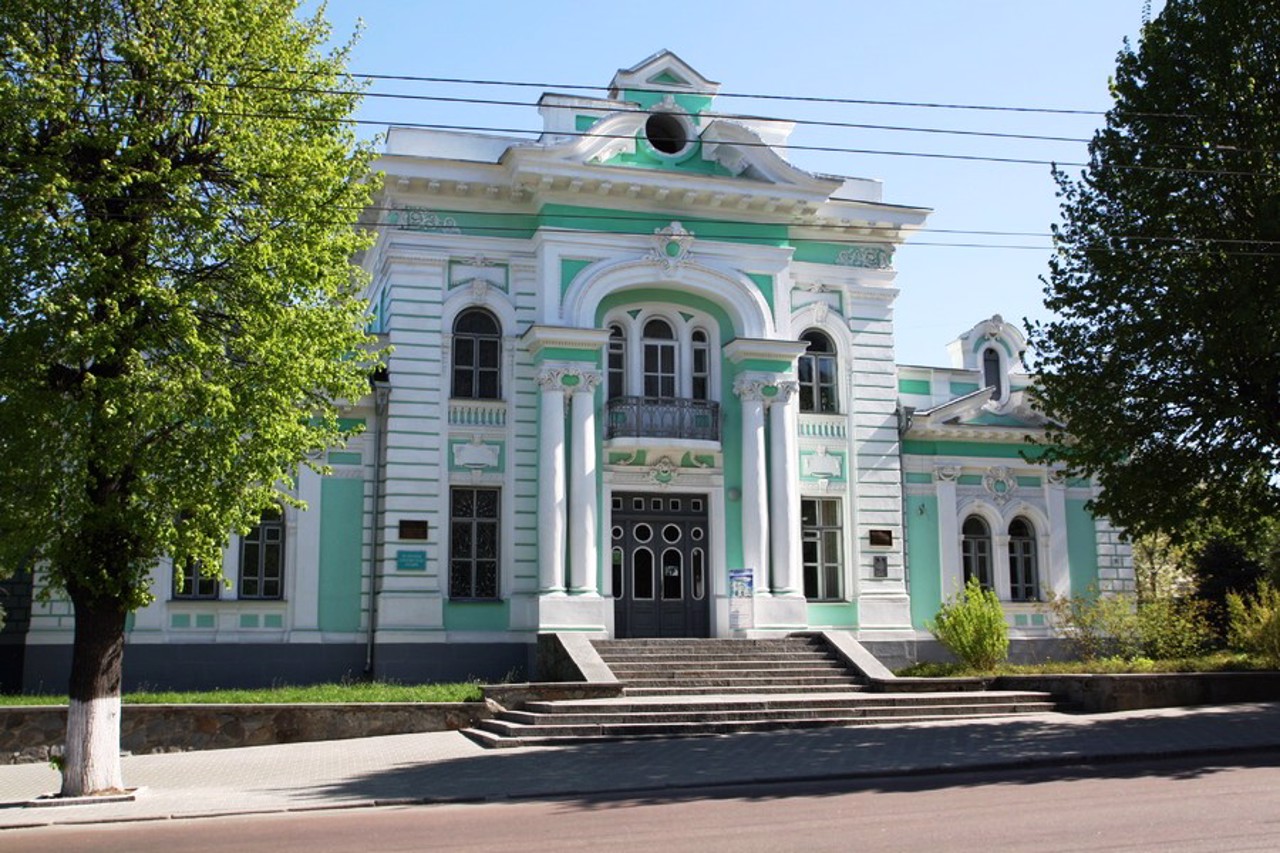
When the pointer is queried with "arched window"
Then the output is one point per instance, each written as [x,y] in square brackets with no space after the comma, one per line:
[992,375]
[1024,584]
[617,362]
[817,369]
[477,356]
[975,550]
[659,360]
[701,387]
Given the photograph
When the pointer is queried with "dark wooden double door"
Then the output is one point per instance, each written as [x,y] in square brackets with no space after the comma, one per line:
[661,565]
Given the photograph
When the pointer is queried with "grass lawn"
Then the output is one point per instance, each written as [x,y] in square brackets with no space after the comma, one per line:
[370,692]
[1215,662]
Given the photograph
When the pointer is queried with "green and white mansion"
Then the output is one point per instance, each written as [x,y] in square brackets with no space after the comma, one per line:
[632,359]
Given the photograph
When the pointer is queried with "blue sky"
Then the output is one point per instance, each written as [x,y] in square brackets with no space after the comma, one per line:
[1031,53]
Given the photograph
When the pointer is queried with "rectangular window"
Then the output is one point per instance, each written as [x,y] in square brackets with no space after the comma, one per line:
[189,584]
[473,543]
[262,559]
[821,535]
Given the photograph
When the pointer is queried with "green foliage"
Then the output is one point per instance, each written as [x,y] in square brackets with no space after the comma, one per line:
[1222,568]
[1161,356]
[339,693]
[1101,627]
[1255,623]
[1174,628]
[1212,662]
[1097,626]
[972,627]
[179,316]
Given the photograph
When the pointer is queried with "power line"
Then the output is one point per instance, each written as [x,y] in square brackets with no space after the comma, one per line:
[622,107]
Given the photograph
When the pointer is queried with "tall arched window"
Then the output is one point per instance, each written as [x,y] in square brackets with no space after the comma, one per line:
[477,356]
[1024,585]
[659,360]
[975,550]
[992,375]
[701,348]
[818,374]
[617,362]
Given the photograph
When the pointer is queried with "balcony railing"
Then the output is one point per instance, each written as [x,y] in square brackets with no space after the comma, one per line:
[662,417]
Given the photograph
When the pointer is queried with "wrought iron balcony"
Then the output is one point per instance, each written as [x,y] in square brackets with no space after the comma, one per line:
[663,417]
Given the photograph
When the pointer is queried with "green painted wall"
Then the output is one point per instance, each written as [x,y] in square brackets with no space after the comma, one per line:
[833,614]
[765,284]
[1082,547]
[569,269]
[924,564]
[341,529]
[915,447]
[913,386]
[962,388]
[631,222]
[477,615]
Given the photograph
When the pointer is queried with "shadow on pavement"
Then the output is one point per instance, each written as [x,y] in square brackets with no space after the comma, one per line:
[843,759]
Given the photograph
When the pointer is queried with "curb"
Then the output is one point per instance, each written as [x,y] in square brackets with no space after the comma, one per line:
[625,793]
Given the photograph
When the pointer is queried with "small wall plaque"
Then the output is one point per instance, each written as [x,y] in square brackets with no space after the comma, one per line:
[411,561]
[413,528]
[881,538]
[880,566]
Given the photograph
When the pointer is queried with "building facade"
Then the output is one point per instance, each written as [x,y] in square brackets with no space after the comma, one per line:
[642,384]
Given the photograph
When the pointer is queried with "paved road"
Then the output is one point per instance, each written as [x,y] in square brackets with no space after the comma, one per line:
[1171,805]
[444,766]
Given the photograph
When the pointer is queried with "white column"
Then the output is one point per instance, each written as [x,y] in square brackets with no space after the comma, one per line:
[583,551]
[551,485]
[755,509]
[784,492]
[948,530]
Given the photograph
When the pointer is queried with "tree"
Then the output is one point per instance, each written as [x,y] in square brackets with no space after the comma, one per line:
[1161,358]
[179,316]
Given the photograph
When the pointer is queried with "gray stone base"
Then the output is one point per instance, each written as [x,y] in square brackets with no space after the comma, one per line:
[204,666]
[898,654]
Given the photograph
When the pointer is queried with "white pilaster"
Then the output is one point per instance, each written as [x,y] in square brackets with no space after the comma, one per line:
[583,552]
[1058,575]
[948,530]
[787,576]
[755,510]
[551,485]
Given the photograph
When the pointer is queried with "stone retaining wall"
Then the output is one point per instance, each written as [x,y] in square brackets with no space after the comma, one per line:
[34,733]
[1099,694]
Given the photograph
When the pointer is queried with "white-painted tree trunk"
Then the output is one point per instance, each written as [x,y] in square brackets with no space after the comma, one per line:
[91,764]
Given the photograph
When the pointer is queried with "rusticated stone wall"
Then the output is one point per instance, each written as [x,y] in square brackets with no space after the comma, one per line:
[35,733]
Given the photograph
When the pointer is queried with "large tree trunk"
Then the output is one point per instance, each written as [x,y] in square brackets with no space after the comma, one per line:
[91,764]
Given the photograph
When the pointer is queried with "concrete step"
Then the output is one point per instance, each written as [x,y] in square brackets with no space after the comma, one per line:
[847,711]
[781,703]
[686,665]
[660,657]
[743,678]
[541,736]
[740,690]
[742,670]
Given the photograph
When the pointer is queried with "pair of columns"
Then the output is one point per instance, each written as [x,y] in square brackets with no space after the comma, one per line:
[771,492]
[770,484]
[562,497]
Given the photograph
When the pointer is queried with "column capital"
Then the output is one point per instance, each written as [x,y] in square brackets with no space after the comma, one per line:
[947,471]
[570,380]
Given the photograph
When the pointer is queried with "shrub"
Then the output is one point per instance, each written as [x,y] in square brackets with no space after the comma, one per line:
[1117,626]
[1098,626]
[1254,623]
[1171,628]
[971,625]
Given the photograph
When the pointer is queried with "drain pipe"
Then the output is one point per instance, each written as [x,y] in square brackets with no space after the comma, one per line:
[381,395]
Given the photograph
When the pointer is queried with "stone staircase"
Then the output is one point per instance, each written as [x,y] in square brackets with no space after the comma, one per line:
[683,688]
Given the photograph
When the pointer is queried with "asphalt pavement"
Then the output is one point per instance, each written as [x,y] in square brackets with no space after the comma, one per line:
[446,767]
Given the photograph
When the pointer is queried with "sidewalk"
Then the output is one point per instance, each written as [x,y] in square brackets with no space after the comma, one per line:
[446,767]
